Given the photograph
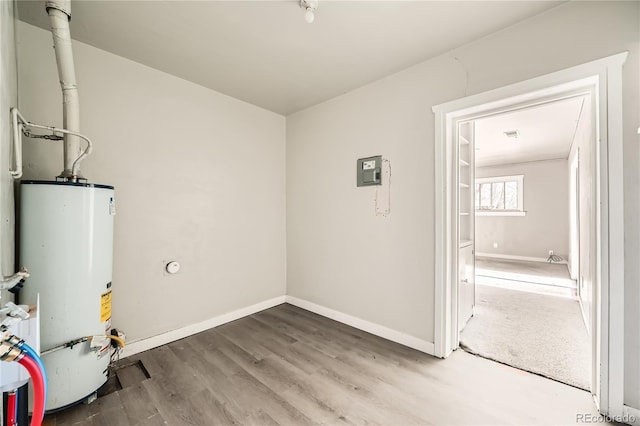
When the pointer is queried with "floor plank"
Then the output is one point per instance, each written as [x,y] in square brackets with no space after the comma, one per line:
[288,366]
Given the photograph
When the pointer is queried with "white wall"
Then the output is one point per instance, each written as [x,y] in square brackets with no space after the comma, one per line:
[340,254]
[8,98]
[546,201]
[382,269]
[199,178]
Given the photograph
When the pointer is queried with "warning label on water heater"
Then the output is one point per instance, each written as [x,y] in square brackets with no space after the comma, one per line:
[105,306]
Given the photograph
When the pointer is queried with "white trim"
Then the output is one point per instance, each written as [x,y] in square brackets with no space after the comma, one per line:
[602,77]
[510,178]
[189,330]
[443,152]
[370,327]
[499,213]
[628,413]
[364,325]
[612,271]
[514,257]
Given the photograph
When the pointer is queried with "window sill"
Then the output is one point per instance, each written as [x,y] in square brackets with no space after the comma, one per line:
[489,213]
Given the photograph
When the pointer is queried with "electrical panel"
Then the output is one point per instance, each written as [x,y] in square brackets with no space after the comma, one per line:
[369,171]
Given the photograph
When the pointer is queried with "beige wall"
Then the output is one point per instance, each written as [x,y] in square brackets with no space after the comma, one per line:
[546,201]
[382,269]
[339,254]
[8,98]
[199,178]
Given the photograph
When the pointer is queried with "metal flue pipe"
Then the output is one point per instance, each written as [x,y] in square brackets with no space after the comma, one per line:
[59,12]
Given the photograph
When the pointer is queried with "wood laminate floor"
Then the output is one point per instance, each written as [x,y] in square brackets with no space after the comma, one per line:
[288,366]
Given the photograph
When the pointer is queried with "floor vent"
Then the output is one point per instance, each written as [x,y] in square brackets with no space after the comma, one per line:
[125,376]
[132,374]
[112,385]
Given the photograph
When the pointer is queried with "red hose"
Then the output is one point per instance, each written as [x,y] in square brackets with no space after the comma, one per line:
[11,409]
[38,389]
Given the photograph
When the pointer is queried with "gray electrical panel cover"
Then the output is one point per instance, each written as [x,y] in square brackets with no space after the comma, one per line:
[369,171]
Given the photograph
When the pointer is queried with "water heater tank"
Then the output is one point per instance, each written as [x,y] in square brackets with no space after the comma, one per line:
[66,241]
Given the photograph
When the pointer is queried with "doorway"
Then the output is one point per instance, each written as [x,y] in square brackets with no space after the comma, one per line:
[526,312]
[600,79]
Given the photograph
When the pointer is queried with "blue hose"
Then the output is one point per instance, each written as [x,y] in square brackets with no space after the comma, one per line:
[30,352]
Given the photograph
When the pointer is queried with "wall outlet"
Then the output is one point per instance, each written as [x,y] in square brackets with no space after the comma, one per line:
[550,252]
[495,245]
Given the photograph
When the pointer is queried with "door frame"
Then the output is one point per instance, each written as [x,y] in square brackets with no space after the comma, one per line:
[574,218]
[602,78]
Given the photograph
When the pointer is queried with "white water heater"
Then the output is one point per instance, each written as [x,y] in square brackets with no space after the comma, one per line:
[66,238]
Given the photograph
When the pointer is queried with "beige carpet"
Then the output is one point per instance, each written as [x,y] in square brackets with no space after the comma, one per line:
[533,332]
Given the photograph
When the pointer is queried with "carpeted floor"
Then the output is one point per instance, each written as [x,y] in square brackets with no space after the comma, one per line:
[534,332]
[548,274]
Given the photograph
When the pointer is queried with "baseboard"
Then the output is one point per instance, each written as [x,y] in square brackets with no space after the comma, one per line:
[631,415]
[364,325]
[173,335]
[370,327]
[513,257]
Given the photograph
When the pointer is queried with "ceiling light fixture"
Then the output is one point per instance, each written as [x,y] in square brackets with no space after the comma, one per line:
[310,7]
[512,134]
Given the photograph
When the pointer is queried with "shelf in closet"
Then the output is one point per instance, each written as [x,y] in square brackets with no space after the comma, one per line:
[463,163]
[463,140]
[465,243]
[463,185]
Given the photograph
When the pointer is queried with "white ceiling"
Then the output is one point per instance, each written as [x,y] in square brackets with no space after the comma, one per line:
[546,133]
[263,52]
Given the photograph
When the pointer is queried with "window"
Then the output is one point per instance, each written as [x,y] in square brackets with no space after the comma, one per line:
[500,196]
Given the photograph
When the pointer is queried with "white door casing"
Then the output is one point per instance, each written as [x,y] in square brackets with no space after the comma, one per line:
[603,80]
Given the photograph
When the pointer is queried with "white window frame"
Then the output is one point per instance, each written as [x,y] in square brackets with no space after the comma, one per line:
[520,210]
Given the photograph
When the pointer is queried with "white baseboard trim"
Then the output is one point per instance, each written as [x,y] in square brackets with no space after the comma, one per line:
[631,415]
[513,257]
[369,327]
[180,333]
[375,329]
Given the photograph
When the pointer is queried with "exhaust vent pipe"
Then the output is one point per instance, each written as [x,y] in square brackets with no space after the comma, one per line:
[59,12]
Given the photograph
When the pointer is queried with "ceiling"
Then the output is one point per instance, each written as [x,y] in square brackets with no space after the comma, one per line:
[263,52]
[546,133]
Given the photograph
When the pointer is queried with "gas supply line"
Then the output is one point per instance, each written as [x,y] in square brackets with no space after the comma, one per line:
[14,349]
